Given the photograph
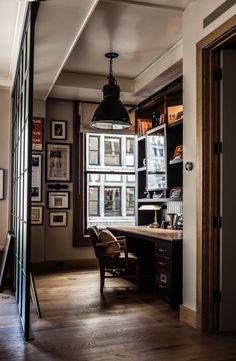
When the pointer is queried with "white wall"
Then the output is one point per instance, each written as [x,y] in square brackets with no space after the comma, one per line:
[193,32]
[4,159]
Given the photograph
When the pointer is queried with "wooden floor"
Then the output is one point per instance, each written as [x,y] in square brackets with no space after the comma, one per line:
[79,325]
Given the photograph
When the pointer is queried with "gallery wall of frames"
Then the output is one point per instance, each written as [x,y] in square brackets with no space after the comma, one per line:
[53,156]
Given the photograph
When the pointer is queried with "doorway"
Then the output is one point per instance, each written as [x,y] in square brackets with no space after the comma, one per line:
[214,293]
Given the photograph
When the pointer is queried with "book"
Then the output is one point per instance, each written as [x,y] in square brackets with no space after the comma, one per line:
[143,126]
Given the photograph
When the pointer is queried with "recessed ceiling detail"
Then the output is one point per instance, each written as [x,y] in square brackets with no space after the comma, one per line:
[72,37]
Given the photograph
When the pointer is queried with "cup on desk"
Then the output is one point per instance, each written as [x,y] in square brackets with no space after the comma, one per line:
[164,224]
[171,217]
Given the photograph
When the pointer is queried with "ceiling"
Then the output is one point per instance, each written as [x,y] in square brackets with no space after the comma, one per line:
[11,23]
[72,37]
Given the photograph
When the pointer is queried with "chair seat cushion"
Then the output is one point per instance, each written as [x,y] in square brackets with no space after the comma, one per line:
[113,249]
[120,262]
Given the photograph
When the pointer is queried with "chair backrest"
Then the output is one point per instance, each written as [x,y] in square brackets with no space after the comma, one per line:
[94,236]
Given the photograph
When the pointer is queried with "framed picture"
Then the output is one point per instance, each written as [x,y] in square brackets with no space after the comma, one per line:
[36,193]
[57,219]
[37,215]
[162,119]
[58,200]
[1,183]
[175,114]
[58,162]
[178,152]
[37,134]
[58,129]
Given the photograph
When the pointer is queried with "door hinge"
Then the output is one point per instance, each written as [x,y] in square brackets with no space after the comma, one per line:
[217,296]
[218,147]
[218,74]
[217,222]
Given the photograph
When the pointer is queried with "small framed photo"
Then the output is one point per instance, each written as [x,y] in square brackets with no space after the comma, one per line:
[178,152]
[58,162]
[36,193]
[58,129]
[162,119]
[58,200]
[37,215]
[37,134]
[57,219]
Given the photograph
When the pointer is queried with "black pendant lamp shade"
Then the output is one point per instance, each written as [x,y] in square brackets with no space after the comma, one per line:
[111,113]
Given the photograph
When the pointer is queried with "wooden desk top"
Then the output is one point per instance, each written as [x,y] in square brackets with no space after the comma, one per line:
[150,233]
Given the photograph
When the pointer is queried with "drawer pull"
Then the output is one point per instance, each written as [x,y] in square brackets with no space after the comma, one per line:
[163,278]
[162,250]
[162,263]
[161,286]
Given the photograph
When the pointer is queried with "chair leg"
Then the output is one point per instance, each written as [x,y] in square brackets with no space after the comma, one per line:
[102,278]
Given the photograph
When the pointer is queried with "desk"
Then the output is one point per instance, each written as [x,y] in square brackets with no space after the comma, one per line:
[160,256]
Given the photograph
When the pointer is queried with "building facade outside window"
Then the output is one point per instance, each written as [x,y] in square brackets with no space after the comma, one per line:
[110,180]
[112,155]
[94,150]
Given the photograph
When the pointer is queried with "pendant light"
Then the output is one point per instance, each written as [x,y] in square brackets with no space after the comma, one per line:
[111,113]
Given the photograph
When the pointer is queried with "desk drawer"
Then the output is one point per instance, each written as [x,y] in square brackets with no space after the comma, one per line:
[163,286]
[163,293]
[163,248]
[162,263]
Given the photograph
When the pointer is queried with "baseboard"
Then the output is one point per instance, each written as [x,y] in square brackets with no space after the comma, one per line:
[64,265]
[188,316]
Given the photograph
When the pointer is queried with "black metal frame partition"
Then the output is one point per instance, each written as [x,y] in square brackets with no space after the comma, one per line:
[22,109]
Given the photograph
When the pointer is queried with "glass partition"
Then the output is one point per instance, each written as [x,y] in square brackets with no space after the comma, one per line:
[156,159]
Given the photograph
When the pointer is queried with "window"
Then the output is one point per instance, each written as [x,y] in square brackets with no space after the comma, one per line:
[112,154]
[112,201]
[130,194]
[111,183]
[131,178]
[94,178]
[130,152]
[93,201]
[113,178]
[94,150]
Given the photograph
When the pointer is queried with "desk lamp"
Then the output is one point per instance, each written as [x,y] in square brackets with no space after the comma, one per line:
[151,207]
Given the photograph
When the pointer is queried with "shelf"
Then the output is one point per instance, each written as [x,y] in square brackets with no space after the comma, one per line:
[163,139]
[142,169]
[141,137]
[176,161]
[178,122]
[158,200]
[156,129]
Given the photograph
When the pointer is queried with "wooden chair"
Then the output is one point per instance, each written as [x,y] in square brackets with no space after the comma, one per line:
[124,261]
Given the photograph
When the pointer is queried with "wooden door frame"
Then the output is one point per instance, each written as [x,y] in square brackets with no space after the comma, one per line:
[208,126]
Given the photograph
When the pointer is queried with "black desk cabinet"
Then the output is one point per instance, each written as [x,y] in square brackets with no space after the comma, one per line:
[168,271]
[160,260]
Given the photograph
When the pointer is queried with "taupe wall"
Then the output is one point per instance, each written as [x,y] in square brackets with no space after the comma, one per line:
[55,243]
[4,159]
